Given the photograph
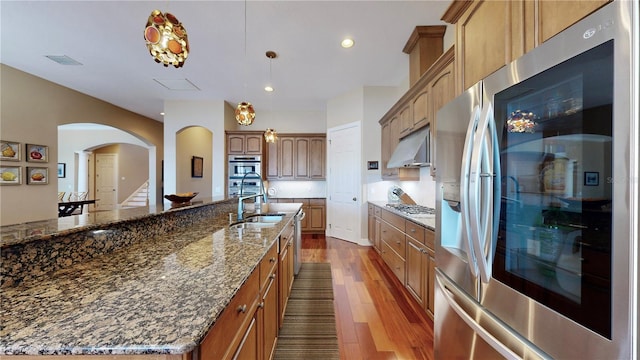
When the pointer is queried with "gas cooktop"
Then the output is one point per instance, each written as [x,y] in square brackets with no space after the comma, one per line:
[413,210]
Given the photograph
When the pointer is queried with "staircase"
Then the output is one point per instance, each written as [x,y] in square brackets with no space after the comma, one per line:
[139,197]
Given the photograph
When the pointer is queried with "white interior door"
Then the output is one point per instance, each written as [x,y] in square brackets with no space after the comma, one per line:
[106,181]
[343,210]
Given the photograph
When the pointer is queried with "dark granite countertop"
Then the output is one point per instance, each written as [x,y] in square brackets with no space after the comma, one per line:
[158,296]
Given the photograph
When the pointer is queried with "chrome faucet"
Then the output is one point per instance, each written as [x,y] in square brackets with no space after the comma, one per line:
[242,198]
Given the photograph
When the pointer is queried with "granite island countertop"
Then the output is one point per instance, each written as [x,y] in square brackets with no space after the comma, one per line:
[159,296]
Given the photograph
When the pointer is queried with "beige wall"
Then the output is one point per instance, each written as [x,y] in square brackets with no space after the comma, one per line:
[190,142]
[133,167]
[30,112]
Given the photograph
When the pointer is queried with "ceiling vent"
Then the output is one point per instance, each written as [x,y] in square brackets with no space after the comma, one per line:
[178,84]
[63,60]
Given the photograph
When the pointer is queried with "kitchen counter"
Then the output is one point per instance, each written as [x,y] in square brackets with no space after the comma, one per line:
[427,221]
[156,296]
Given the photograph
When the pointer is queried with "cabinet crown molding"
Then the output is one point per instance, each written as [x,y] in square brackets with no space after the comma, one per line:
[455,11]
[423,31]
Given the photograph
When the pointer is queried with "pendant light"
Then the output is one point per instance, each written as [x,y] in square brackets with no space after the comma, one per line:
[245,113]
[270,135]
[166,39]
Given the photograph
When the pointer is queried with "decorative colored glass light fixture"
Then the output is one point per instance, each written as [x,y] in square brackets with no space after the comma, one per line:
[166,39]
[270,136]
[245,114]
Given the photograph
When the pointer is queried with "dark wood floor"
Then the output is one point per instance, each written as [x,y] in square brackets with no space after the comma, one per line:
[375,317]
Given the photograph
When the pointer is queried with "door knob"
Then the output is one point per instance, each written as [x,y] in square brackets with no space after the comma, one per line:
[354,199]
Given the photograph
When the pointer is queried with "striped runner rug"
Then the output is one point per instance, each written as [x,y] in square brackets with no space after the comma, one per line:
[309,328]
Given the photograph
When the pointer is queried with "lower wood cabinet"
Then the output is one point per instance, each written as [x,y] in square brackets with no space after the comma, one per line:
[232,330]
[315,220]
[285,269]
[248,328]
[408,249]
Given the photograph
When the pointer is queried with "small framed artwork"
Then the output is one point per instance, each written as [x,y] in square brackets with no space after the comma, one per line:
[62,170]
[196,166]
[10,175]
[37,153]
[9,151]
[37,175]
[591,178]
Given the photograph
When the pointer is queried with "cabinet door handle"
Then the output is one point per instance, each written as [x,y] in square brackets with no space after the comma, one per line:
[413,230]
[242,308]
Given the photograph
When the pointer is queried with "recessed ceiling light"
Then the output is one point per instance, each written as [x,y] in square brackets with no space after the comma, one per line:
[347,43]
[268,88]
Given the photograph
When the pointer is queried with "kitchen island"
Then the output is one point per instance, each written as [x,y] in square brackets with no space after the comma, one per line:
[157,294]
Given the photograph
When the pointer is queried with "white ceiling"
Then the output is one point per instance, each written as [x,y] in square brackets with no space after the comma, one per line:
[107,38]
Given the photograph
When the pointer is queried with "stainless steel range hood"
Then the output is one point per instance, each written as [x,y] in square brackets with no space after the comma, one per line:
[412,150]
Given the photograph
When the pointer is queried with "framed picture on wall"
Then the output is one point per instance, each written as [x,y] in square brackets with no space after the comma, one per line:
[62,170]
[9,150]
[37,175]
[37,153]
[197,164]
[10,175]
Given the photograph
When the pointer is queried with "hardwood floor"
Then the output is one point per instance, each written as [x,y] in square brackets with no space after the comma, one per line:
[375,316]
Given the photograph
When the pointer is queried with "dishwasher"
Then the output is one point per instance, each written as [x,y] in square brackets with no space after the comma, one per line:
[297,254]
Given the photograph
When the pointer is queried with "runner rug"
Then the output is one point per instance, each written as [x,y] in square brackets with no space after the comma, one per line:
[309,328]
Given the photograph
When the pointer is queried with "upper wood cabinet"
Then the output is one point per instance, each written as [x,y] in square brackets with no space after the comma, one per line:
[297,157]
[415,110]
[491,34]
[244,143]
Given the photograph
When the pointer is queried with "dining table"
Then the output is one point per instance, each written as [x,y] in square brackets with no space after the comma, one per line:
[67,208]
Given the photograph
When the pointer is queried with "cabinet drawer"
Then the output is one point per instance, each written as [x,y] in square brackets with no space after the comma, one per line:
[228,330]
[268,263]
[394,238]
[415,231]
[393,219]
[286,236]
[430,239]
[395,262]
[377,211]
[316,202]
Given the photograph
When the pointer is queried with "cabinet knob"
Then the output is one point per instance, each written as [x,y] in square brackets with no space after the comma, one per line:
[413,230]
[242,308]
[272,260]
[261,305]
[273,276]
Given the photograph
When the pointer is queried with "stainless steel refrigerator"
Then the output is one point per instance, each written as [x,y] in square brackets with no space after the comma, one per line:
[537,201]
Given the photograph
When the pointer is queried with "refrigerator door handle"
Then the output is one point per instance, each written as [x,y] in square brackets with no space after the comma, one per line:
[465,210]
[521,347]
[487,196]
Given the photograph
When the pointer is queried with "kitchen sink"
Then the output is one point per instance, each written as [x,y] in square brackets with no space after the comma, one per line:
[252,225]
[264,218]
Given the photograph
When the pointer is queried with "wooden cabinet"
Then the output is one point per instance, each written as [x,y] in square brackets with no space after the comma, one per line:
[267,313]
[417,260]
[315,209]
[233,329]
[374,226]
[421,106]
[490,34]
[245,143]
[393,243]
[297,157]
[441,91]
[408,249]
[285,270]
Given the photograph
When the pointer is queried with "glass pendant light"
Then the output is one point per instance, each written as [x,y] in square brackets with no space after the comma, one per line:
[166,39]
[245,113]
[270,136]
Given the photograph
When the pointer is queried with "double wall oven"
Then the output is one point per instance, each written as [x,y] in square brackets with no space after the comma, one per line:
[239,166]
